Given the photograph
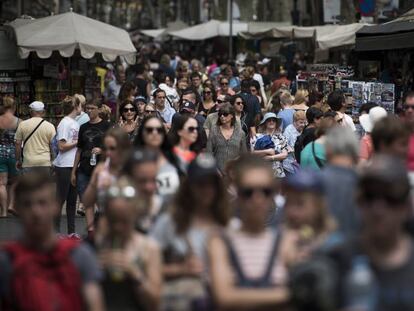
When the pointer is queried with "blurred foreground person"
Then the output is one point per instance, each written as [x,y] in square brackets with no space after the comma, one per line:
[375,270]
[340,177]
[40,271]
[116,146]
[390,136]
[142,167]
[131,261]
[247,268]
[200,210]
[308,223]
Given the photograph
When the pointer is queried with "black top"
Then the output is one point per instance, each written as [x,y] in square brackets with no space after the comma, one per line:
[90,136]
[142,87]
[251,108]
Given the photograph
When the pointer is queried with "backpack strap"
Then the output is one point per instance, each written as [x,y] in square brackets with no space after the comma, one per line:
[318,161]
[30,135]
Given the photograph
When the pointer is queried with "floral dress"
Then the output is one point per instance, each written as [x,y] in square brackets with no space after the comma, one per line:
[281,144]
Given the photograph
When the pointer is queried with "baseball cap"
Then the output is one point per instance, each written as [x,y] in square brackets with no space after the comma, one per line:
[140,99]
[305,180]
[368,121]
[205,165]
[188,106]
[37,106]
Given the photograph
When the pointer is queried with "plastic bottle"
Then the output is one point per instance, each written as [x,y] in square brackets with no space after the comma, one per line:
[92,161]
[361,286]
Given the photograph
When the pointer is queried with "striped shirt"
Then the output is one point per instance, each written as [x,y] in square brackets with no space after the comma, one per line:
[253,253]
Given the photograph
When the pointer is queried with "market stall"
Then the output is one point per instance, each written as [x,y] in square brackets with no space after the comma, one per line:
[64,52]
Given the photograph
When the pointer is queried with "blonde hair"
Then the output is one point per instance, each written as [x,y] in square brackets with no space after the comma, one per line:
[79,100]
[299,115]
[286,98]
[300,97]
[8,103]
[105,112]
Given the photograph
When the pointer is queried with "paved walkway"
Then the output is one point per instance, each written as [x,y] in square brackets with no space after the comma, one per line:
[10,227]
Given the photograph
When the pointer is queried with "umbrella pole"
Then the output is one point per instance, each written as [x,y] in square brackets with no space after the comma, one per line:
[231,29]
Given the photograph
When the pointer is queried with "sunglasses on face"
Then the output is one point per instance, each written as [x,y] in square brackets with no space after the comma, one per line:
[150,130]
[224,83]
[149,111]
[248,192]
[409,107]
[224,114]
[207,92]
[238,103]
[191,129]
[128,110]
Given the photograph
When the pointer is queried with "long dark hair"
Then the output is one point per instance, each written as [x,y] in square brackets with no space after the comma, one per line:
[122,106]
[178,125]
[185,201]
[165,148]
[126,88]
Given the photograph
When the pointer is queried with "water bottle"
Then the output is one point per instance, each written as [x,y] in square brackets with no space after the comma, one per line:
[360,286]
[92,161]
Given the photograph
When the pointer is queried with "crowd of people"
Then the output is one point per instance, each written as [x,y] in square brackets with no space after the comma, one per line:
[208,189]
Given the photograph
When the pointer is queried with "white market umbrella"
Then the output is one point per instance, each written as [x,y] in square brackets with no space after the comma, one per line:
[70,31]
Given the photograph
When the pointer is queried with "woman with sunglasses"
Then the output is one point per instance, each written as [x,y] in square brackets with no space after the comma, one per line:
[185,139]
[247,265]
[152,135]
[116,148]
[130,260]
[238,103]
[209,104]
[226,141]
[224,87]
[278,149]
[129,119]
[255,90]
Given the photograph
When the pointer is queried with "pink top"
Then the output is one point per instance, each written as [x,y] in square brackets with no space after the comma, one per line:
[229,92]
[366,147]
[410,158]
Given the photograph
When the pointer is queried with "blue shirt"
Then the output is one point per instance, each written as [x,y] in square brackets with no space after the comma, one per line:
[287,117]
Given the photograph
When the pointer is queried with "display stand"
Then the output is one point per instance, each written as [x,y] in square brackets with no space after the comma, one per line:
[17,84]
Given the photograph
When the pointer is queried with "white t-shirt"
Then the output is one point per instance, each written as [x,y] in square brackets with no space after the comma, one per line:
[67,130]
[349,122]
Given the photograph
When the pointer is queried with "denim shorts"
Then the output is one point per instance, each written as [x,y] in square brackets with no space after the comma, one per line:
[82,181]
[8,165]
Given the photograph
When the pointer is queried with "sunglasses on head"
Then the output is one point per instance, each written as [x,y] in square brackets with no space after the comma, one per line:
[150,130]
[248,192]
[128,110]
[191,129]
[223,114]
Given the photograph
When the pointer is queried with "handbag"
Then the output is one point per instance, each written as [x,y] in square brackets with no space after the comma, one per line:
[185,293]
[264,142]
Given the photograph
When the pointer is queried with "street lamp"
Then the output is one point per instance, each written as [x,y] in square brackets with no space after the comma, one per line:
[231,29]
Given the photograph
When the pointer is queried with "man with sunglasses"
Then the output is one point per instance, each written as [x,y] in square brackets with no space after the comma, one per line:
[382,248]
